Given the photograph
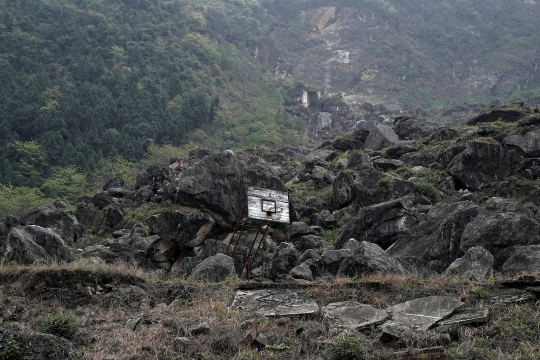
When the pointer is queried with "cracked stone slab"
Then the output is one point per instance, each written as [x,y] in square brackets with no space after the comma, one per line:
[467,316]
[423,313]
[274,302]
[352,314]
[514,297]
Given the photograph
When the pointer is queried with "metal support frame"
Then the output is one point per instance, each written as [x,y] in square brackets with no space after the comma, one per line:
[250,256]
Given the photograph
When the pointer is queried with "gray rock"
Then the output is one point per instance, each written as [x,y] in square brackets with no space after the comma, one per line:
[476,264]
[308,242]
[214,269]
[511,296]
[381,137]
[527,144]
[113,215]
[436,241]
[321,176]
[446,156]
[418,159]
[330,260]
[299,229]
[351,245]
[465,348]
[19,247]
[56,217]
[381,224]
[411,128]
[324,219]
[387,164]
[312,254]
[279,302]
[303,271]
[218,182]
[351,141]
[285,259]
[524,259]
[50,241]
[369,259]
[392,332]
[353,315]
[466,316]
[33,244]
[506,114]
[396,151]
[185,229]
[245,335]
[500,224]
[344,191]
[359,160]
[481,164]
[131,324]
[423,313]
[164,253]
[403,336]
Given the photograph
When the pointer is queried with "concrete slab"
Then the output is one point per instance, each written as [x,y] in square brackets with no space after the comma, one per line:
[467,316]
[352,314]
[421,314]
[274,302]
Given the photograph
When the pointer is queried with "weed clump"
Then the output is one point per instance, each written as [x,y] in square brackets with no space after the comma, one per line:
[348,347]
[64,324]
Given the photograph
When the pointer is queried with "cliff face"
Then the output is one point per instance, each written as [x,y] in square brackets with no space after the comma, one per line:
[365,62]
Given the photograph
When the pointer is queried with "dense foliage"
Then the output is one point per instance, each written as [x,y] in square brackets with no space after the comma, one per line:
[84,80]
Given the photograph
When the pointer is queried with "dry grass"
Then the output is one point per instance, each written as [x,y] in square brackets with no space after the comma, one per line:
[512,333]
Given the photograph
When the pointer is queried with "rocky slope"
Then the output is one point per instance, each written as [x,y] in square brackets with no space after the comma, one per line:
[401,201]
[364,62]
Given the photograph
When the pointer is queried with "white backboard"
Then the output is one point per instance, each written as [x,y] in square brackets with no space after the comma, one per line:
[268,205]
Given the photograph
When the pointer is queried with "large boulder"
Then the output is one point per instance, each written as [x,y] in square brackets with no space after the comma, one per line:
[351,141]
[396,151]
[214,269]
[285,259]
[481,164]
[502,113]
[446,156]
[163,253]
[53,244]
[436,241]
[381,224]
[501,223]
[185,229]
[19,247]
[330,260]
[527,144]
[369,259]
[411,127]
[381,137]
[523,259]
[57,217]
[218,183]
[344,190]
[33,244]
[476,264]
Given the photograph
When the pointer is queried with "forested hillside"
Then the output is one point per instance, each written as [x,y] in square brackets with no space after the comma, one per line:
[83,80]
[91,88]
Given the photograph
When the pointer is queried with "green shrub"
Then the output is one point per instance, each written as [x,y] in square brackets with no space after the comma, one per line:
[62,324]
[11,349]
[348,347]
[429,191]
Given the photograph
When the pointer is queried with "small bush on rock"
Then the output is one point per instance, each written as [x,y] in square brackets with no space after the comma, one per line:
[63,324]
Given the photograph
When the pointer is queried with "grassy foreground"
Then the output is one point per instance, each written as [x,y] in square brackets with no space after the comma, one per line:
[90,305]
